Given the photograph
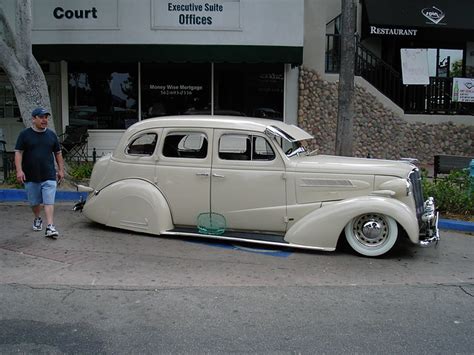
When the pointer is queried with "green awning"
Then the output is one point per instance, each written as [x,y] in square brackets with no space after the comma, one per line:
[129,53]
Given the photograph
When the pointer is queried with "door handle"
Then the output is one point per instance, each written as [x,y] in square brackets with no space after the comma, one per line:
[218,176]
[202,174]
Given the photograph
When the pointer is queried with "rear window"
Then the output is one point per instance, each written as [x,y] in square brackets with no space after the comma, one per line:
[143,145]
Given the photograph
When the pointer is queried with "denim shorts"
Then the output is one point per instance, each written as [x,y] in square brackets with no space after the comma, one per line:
[41,192]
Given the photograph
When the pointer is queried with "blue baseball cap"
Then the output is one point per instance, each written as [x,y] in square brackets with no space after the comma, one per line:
[40,111]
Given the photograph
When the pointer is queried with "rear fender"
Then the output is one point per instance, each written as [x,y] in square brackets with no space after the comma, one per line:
[132,204]
[322,227]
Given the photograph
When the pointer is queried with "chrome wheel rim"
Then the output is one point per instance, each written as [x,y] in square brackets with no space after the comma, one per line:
[371,230]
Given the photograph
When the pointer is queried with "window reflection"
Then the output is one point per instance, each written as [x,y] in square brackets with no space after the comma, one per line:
[175,89]
[249,90]
[445,62]
[103,95]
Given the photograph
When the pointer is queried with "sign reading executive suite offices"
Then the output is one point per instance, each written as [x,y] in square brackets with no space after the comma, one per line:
[165,14]
[196,14]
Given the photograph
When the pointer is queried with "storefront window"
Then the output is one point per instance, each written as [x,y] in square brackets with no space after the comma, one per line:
[445,62]
[103,95]
[239,89]
[175,89]
[249,90]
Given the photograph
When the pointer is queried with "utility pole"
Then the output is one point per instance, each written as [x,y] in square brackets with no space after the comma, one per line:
[344,132]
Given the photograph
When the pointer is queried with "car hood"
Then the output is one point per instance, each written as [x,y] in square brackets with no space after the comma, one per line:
[347,165]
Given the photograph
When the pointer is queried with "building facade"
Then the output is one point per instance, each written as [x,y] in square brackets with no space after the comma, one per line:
[111,63]
[393,118]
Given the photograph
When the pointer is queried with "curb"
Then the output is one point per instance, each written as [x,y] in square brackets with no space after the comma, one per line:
[15,195]
[463,226]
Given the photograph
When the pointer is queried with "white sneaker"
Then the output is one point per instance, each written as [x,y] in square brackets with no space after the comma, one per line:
[51,231]
[37,224]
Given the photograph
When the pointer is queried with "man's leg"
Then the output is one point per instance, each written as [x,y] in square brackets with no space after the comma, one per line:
[36,210]
[49,194]
[33,191]
[49,213]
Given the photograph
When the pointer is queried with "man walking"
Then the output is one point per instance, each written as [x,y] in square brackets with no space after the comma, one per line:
[36,149]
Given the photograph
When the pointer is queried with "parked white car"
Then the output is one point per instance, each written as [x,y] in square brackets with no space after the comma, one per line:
[251,180]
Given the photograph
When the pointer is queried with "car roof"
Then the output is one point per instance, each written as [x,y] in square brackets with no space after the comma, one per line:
[220,122]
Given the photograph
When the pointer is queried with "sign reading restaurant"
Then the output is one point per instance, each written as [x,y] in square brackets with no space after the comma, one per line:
[374,30]
[412,22]
[196,14]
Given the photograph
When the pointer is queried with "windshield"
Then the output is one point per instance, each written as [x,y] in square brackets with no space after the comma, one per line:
[288,144]
[292,148]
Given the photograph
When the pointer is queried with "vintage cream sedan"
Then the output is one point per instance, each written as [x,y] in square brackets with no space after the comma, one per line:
[251,180]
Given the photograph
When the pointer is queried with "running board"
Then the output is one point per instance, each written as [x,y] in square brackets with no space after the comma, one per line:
[247,237]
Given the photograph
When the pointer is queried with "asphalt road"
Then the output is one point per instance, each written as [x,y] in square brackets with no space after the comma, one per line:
[102,290]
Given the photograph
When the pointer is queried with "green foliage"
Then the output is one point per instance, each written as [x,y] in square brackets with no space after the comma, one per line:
[11,180]
[456,69]
[80,171]
[453,193]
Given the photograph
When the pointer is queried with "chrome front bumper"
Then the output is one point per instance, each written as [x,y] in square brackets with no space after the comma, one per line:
[429,232]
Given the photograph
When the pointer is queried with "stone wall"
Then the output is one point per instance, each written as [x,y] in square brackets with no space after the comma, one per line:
[378,132]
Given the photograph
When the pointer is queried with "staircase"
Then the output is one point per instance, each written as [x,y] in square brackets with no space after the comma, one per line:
[434,98]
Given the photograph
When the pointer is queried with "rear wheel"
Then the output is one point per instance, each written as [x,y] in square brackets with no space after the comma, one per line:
[371,234]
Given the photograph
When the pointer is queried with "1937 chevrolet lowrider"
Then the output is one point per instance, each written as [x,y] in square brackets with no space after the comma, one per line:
[245,179]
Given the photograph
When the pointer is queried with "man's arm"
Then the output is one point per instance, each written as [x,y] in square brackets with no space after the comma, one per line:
[60,162]
[20,175]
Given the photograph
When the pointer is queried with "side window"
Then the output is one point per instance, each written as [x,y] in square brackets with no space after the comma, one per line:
[185,145]
[234,147]
[144,145]
[244,147]
[262,150]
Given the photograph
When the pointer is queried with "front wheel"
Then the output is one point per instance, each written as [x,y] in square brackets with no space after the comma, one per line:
[371,234]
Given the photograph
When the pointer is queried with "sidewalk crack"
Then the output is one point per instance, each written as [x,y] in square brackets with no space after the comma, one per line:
[466,292]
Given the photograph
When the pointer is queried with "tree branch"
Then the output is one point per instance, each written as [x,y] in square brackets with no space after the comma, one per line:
[9,61]
[24,25]
[8,36]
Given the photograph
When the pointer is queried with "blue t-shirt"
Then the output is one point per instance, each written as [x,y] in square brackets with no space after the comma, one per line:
[38,154]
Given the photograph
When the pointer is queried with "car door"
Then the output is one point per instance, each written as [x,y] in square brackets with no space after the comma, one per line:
[183,172]
[247,182]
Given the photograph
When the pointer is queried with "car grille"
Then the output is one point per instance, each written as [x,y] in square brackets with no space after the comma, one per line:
[417,189]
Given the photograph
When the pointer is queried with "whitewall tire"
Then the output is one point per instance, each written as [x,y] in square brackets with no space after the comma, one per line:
[371,234]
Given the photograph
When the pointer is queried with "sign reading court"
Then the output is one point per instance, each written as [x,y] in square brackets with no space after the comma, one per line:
[67,15]
[196,15]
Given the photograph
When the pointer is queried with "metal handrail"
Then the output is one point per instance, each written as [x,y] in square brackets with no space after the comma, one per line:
[432,98]
[379,73]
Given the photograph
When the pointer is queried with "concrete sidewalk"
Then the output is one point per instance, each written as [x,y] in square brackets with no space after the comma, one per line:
[91,255]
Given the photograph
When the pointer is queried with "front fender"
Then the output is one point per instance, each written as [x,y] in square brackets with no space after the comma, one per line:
[132,204]
[322,227]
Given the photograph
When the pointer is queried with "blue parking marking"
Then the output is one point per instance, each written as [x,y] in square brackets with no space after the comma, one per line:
[254,249]
[14,195]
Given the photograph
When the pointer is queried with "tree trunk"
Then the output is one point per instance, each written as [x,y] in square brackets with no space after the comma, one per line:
[344,133]
[22,69]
